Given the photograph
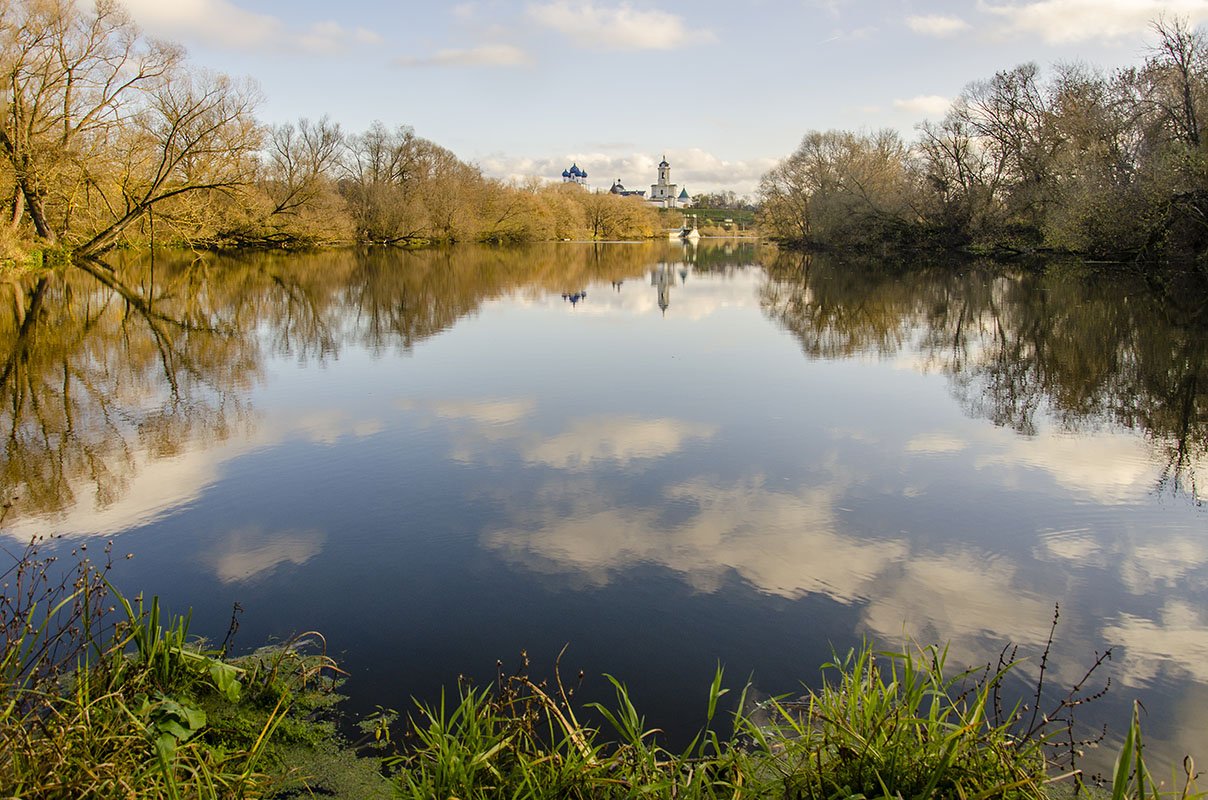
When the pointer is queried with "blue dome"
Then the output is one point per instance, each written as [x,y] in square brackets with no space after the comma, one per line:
[565,174]
[582,174]
[574,170]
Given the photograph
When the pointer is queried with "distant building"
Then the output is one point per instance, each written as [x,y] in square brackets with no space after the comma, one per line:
[574,175]
[619,188]
[663,194]
[666,194]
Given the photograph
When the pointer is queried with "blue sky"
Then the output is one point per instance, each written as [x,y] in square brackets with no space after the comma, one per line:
[724,89]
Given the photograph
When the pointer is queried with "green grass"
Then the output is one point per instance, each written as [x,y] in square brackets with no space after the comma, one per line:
[718,215]
[140,709]
[884,724]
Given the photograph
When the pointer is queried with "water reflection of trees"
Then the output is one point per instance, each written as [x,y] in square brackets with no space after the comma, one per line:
[108,367]
[95,370]
[1082,351]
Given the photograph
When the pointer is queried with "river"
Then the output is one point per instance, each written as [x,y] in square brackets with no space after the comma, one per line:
[661,456]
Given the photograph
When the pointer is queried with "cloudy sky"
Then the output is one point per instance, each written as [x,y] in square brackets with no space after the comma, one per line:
[724,89]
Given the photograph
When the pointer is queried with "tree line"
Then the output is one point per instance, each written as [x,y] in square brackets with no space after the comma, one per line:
[1110,164]
[111,137]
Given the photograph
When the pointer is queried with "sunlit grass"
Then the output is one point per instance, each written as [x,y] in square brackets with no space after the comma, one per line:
[140,709]
[883,724]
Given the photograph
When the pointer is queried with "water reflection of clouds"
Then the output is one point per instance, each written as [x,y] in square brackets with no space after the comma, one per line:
[580,444]
[784,543]
[691,297]
[252,552]
[936,443]
[620,440]
[486,412]
[1110,468]
[791,542]
[1144,561]
[330,426]
[780,542]
[157,486]
[971,599]
[1179,638]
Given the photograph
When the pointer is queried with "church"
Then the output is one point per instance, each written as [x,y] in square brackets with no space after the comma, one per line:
[574,175]
[663,194]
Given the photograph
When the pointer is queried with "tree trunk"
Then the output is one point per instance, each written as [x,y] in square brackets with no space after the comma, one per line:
[18,207]
[37,212]
[108,237]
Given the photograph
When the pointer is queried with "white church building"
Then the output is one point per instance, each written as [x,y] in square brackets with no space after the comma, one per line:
[663,194]
[666,194]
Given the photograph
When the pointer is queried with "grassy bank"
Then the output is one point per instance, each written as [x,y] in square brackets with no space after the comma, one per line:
[105,697]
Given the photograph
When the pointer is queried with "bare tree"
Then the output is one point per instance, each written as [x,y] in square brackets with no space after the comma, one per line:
[1175,71]
[835,184]
[195,134]
[301,163]
[1011,116]
[71,78]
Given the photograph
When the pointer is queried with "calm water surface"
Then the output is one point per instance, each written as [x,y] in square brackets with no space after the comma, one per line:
[664,456]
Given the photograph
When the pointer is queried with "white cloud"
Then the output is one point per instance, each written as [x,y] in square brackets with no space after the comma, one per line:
[619,27]
[832,7]
[1064,21]
[215,22]
[487,55]
[694,165]
[221,23]
[930,104]
[936,25]
[330,37]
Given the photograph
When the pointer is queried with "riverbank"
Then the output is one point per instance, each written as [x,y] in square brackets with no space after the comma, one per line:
[104,696]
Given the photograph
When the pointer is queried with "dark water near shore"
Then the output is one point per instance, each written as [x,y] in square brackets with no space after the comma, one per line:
[665,457]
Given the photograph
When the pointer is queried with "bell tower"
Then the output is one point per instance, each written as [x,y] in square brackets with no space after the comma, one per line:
[664,192]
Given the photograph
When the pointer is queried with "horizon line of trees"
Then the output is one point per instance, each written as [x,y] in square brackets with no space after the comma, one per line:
[1112,165]
[111,137]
